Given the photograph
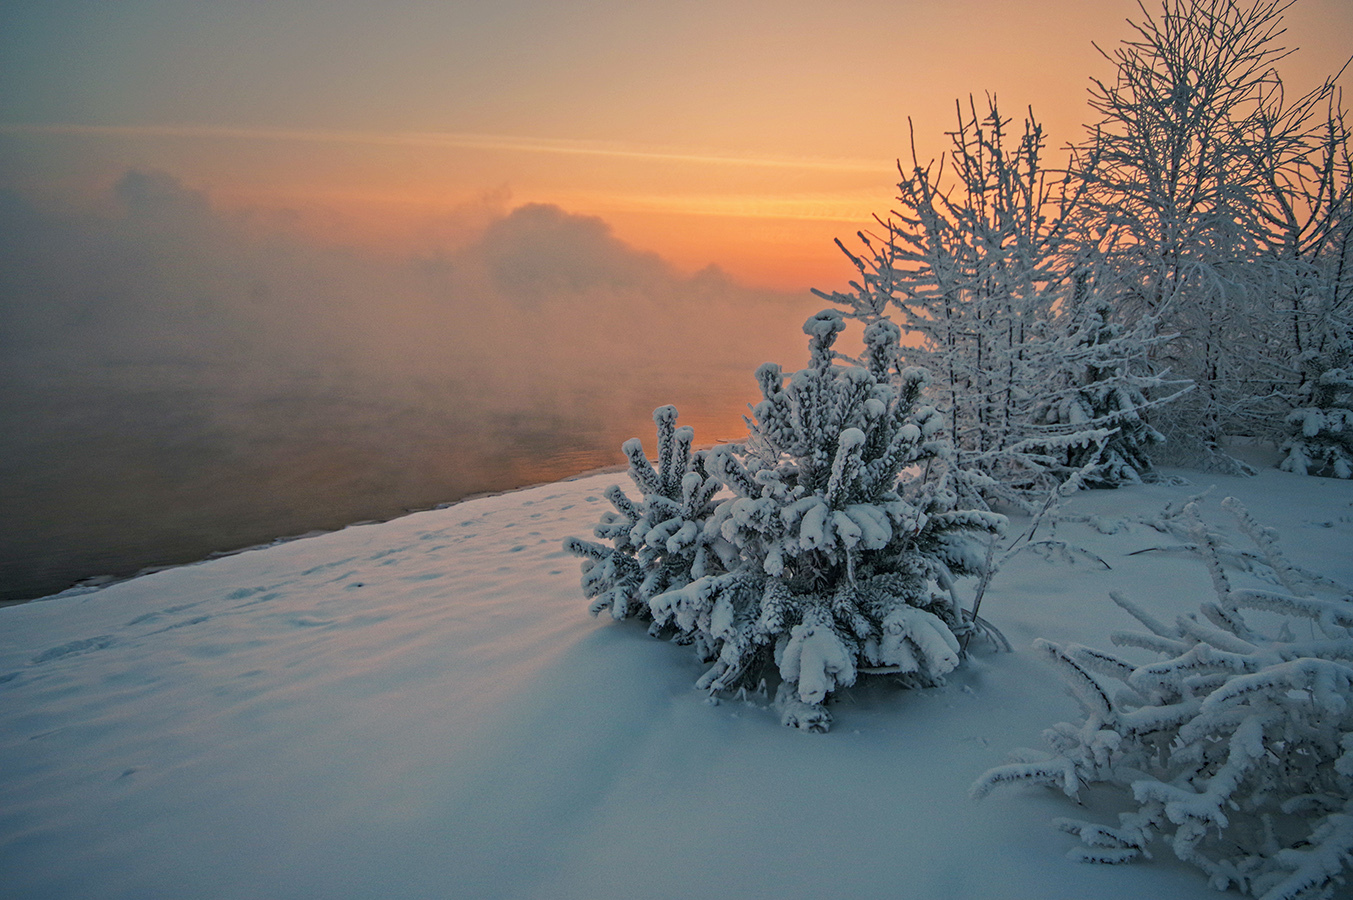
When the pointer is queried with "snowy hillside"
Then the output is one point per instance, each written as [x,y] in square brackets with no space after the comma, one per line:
[422,708]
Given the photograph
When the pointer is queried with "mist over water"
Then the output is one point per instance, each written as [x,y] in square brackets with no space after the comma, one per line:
[179,381]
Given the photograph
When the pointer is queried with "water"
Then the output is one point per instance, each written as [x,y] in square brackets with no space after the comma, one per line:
[110,482]
[176,381]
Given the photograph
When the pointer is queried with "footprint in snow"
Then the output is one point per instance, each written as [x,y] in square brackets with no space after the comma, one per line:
[265,598]
[329,565]
[152,616]
[85,645]
[197,620]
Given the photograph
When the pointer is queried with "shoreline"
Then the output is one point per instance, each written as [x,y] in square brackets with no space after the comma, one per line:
[94,583]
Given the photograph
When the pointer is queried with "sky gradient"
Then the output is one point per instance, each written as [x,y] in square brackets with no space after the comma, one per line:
[747,135]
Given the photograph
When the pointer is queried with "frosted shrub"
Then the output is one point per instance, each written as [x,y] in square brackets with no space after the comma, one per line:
[1007,298]
[1236,747]
[823,548]
[1223,197]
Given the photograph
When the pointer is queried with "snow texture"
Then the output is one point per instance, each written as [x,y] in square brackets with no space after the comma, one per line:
[420,709]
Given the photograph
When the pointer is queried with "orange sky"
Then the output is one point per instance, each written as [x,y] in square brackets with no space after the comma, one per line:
[746,135]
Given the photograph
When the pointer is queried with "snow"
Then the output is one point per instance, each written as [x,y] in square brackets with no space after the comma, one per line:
[423,708]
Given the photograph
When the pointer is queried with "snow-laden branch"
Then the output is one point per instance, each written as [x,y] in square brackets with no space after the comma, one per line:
[1235,748]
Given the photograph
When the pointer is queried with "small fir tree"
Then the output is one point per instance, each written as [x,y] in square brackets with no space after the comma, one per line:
[833,551]
[1320,432]
[658,542]
[1102,391]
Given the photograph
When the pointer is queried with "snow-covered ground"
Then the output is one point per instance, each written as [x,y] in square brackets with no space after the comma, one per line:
[422,708]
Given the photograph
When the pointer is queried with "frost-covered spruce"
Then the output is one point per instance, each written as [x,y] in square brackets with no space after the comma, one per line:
[1320,440]
[1236,747]
[1104,393]
[835,554]
[658,543]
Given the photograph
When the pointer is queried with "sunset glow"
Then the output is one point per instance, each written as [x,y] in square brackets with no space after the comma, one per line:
[746,136]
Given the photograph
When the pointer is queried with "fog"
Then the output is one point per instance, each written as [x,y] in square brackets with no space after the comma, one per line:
[179,380]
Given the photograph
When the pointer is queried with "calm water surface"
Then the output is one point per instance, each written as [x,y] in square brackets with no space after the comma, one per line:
[110,482]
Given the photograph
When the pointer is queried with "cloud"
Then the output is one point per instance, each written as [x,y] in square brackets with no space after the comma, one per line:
[181,379]
[447,139]
[540,253]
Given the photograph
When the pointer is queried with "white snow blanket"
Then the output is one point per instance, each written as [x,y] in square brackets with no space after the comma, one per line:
[422,708]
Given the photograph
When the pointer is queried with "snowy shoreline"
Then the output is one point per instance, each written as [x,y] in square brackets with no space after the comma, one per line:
[92,583]
[422,708]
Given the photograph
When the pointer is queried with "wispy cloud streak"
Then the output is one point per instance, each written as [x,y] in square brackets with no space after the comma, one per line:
[832,206]
[450,140]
